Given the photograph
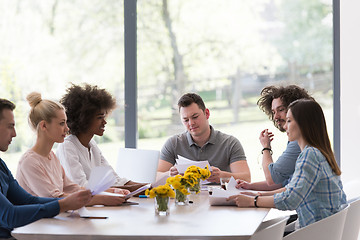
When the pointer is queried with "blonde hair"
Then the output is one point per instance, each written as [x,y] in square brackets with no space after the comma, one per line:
[41,109]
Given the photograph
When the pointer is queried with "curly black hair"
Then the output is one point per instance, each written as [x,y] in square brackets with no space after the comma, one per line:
[287,94]
[82,104]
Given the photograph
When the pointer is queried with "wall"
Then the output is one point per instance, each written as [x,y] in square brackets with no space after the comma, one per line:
[350,88]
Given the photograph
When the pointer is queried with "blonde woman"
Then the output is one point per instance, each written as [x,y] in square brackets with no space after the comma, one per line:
[39,171]
[17,207]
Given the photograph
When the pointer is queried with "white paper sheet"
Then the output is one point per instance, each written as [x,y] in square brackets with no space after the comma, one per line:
[140,189]
[85,213]
[111,194]
[101,178]
[183,163]
[219,196]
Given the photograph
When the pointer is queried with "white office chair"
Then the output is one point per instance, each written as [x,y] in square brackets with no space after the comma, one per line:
[272,229]
[330,228]
[138,165]
[352,222]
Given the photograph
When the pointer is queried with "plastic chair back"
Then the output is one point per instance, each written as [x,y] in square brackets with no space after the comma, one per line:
[272,229]
[330,228]
[138,165]
[352,222]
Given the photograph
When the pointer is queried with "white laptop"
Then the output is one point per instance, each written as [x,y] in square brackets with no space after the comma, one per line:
[138,165]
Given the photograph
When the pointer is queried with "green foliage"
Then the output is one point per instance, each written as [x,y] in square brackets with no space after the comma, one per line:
[145,130]
[307,33]
[45,45]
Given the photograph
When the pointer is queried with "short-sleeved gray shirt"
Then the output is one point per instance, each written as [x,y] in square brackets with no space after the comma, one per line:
[221,150]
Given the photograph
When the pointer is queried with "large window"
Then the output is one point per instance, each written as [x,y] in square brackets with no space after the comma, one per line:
[46,45]
[226,51]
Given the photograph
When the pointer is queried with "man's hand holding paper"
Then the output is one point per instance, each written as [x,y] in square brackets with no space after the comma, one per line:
[215,175]
[183,163]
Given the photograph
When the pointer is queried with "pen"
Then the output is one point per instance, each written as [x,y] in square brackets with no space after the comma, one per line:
[95,217]
[143,196]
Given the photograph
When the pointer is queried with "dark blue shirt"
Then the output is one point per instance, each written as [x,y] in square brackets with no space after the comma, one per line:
[18,207]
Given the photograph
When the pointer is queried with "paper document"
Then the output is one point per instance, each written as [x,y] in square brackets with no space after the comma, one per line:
[101,178]
[85,213]
[183,163]
[219,196]
[127,196]
[139,190]
[231,187]
[112,194]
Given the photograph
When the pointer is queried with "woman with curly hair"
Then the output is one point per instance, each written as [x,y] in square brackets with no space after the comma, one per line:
[86,109]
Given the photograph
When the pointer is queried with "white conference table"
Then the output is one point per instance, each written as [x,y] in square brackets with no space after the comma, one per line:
[198,220]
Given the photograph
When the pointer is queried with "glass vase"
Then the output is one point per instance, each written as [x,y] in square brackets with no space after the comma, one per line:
[196,187]
[162,206]
[181,199]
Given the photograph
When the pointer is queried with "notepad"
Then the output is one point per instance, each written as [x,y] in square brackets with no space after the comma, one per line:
[139,190]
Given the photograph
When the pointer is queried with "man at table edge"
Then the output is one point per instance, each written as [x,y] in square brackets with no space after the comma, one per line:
[202,142]
[17,207]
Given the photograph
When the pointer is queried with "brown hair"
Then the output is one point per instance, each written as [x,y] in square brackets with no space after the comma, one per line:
[287,94]
[310,118]
[189,98]
[5,104]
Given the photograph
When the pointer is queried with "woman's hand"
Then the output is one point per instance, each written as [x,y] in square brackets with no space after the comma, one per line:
[107,200]
[215,175]
[243,184]
[118,190]
[242,200]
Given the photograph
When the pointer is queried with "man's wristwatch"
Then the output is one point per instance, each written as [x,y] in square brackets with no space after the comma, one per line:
[267,149]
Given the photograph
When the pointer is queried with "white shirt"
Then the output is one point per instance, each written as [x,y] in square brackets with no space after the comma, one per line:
[78,160]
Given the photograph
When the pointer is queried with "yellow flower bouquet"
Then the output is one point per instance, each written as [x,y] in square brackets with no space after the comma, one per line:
[197,174]
[179,183]
[161,194]
[189,182]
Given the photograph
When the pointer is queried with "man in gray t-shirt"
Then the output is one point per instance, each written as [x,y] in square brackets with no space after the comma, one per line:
[201,142]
